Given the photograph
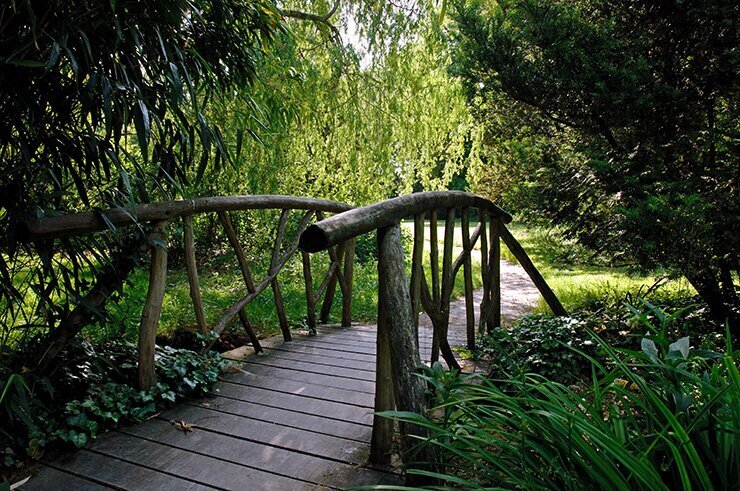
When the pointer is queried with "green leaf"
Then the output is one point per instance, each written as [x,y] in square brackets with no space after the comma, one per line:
[649,348]
[143,128]
[26,63]
[682,346]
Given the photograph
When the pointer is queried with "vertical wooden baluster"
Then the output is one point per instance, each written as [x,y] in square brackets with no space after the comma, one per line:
[436,317]
[244,267]
[483,319]
[276,293]
[310,299]
[447,279]
[335,256]
[468,277]
[280,307]
[192,268]
[250,331]
[416,269]
[238,251]
[381,442]
[434,265]
[332,287]
[153,306]
[349,264]
[494,267]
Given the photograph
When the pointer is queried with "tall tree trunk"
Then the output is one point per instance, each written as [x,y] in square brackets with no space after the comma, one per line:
[709,288]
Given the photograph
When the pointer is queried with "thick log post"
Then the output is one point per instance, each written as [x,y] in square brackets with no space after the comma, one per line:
[349,265]
[494,275]
[192,268]
[310,299]
[381,443]
[153,306]
[416,268]
[468,276]
[399,328]
[516,248]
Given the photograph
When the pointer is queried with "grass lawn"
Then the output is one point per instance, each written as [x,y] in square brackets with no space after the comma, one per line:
[561,263]
[575,280]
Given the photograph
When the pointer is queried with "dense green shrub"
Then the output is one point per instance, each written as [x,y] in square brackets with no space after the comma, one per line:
[590,119]
[545,345]
[540,344]
[663,417]
[91,392]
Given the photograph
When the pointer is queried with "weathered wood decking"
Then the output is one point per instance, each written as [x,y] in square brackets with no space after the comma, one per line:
[298,417]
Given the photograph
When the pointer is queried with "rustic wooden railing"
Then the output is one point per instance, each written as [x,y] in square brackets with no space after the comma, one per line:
[162,214]
[400,300]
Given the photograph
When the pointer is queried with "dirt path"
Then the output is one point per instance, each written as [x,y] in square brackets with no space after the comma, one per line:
[519,296]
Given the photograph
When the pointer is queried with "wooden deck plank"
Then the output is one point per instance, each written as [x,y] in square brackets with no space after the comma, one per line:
[335,410]
[315,376]
[344,339]
[188,464]
[298,363]
[297,440]
[293,419]
[280,461]
[329,353]
[51,478]
[113,472]
[320,361]
[345,345]
[304,389]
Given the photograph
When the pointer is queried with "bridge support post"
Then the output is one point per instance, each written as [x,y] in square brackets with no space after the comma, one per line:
[396,331]
[152,307]
[381,443]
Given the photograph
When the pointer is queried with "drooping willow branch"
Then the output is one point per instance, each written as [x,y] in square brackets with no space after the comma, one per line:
[318,19]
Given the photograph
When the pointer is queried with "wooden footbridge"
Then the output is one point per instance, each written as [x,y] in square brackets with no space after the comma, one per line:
[299,414]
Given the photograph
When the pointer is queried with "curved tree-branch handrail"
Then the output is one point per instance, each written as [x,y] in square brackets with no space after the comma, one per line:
[159,215]
[96,221]
[358,221]
[397,345]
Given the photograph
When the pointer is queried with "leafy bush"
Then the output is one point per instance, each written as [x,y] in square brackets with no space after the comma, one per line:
[93,391]
[659,418]
[542,345]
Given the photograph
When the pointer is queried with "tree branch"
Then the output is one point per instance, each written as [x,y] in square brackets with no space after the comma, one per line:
[318,19]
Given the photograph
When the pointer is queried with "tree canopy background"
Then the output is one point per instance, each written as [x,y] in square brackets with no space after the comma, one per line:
[132,102]
[107,104]
[617,119]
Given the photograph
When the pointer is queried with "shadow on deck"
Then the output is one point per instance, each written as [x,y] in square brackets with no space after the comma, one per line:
[299,417]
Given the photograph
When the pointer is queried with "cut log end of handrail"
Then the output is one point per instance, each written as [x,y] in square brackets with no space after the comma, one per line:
[314,239]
